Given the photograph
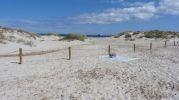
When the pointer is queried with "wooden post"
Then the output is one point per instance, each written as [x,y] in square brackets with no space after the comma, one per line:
[165,44]
[20,55]
[109,50]
[69,53]
[134,47]
[174,43]
[151,46]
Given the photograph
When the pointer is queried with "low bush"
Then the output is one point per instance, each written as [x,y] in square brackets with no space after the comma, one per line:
[160,34]
[136,33]
[119,35]
[2,36]
[73,36]
[128,35]
[20,41]
[54,34]
[29,43]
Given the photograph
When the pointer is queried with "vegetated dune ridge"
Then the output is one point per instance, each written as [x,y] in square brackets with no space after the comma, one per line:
[153,34]
[31,43]
[154,76]
[16,35]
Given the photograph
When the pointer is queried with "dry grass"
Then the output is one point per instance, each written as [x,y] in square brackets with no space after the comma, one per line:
[28,43]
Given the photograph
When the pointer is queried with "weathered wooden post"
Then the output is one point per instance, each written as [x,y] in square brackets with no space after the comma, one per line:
[109,50]
[134,47]
[20,55]
[69,53]
[174,43]
[151,46]
[165,44]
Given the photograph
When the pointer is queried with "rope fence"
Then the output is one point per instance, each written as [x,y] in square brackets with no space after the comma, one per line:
[136,46]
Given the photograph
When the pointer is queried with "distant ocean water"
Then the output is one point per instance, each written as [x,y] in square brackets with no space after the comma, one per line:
[88,35]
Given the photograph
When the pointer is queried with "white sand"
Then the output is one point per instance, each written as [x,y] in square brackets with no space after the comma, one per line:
[155,76]
[12,48]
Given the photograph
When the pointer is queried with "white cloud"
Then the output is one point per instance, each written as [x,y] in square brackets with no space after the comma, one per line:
[129,4]
[133,11]
[116,15]
[30,22]
[169,6]
[43,23]
[113,1]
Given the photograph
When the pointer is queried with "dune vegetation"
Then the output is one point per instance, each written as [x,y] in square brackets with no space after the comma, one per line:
[74,36]
[149,34]
[160,34]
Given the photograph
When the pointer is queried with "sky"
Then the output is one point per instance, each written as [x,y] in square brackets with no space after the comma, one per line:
[90,16]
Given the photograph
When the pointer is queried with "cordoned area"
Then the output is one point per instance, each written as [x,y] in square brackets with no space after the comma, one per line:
[103,50]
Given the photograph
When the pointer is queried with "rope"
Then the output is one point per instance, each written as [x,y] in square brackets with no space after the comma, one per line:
[12,52]
[116,48]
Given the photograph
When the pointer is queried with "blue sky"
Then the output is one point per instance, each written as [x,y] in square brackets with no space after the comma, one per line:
[90,16]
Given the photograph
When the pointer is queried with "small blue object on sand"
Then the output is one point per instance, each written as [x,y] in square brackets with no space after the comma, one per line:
[117,58]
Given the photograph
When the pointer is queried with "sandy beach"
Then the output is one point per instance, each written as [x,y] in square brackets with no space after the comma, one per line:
[153,76]
[89,50]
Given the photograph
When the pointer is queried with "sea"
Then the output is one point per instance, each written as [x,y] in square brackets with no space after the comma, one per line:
[88,35]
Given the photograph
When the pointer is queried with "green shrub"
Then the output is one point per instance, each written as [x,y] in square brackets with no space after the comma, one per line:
[150,34]
[128,35]
[160,34]
[54,34]
[20,41]
[29,43]
[136,33]
[2,36]
[73,36]
[120,34]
